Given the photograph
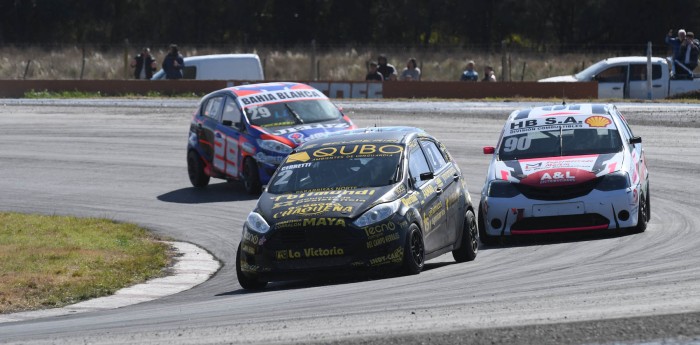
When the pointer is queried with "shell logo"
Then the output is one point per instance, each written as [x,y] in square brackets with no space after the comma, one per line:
[598,121]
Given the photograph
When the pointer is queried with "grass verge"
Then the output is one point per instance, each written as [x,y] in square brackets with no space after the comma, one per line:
[52,261]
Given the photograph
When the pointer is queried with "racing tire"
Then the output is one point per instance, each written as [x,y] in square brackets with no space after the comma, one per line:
[414,251]
[648,196]
[195,170]
[251,177]
[483,236]
[247,282]
[643,214]
[469,245]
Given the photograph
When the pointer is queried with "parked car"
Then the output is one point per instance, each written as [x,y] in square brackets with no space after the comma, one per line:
[244,132]
[220,67]
[626,77]
[562,169]
[377,198]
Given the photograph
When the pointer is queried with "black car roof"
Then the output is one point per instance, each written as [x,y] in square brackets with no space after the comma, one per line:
[399,134]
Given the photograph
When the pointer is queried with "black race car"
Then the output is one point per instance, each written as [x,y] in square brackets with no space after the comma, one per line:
[388,197]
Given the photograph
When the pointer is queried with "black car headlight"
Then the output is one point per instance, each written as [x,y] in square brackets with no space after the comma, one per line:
[257,223]
[502,189]
[377,214]
[614,181]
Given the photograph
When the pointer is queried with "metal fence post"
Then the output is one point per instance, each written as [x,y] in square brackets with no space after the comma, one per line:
[649,92]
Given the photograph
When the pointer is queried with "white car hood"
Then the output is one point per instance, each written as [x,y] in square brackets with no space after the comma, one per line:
[559,79]
[558,171]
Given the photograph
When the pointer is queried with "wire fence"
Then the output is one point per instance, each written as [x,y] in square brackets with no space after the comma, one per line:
[315,62]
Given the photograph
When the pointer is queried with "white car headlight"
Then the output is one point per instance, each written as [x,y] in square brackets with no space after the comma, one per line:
[257,223]
[275,146]
[377,214]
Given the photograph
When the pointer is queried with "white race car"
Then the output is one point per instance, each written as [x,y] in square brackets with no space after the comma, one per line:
[564,168]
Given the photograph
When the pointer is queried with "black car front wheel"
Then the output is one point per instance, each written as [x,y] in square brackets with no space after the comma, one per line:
[469,245]
[195,170]
[414,251]
[247,282]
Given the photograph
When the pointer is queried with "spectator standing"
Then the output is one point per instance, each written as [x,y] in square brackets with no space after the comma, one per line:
[386,69]
[489,75]
[411,72]
[373,74]
[687,56]
[143,64]
[173,63]
[470,74]
[675,42]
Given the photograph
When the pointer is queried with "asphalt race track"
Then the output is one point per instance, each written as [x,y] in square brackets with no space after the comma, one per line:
[125,160]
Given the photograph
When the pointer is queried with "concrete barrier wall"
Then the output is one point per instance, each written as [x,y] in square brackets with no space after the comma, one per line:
[485,90]
[334,89]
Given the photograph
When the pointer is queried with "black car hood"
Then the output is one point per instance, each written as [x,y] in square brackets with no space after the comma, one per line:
[345,203]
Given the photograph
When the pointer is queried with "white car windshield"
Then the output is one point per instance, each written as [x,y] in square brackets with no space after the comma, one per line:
[560,142]
[292,113]
[588,73]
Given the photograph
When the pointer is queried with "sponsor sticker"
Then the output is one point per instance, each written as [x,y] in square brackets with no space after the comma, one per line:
[598,121]
[289,254]
[296,137]
[277,96]
[364,150]
[380,229]
[313,209]
[299,157]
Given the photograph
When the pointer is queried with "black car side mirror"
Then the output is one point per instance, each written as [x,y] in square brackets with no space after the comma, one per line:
[636,140]
[426,176]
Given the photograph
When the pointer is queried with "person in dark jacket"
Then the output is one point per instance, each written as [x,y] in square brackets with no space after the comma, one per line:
[373,74]
[675,42]
[687,57]
[173,63]
[143,64]
[387,70]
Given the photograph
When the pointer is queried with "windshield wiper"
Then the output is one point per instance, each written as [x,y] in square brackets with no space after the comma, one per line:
[293,113]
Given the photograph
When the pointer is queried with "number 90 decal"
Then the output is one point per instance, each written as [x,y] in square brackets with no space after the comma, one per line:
[514,143]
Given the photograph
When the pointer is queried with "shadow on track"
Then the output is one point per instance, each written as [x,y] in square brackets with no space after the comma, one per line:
[336,280]
[550,239]
[220,192]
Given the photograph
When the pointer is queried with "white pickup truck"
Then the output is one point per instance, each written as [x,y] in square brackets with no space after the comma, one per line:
[626,77]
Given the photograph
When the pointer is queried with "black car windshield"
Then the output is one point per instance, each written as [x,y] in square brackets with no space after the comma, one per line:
[292,113]
[560,142]
[335,168]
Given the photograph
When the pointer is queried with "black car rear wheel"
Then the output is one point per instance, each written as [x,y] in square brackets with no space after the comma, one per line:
[247,282]
[251,177]
[414,251]
[195,170]
[483,236]
[469,245]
